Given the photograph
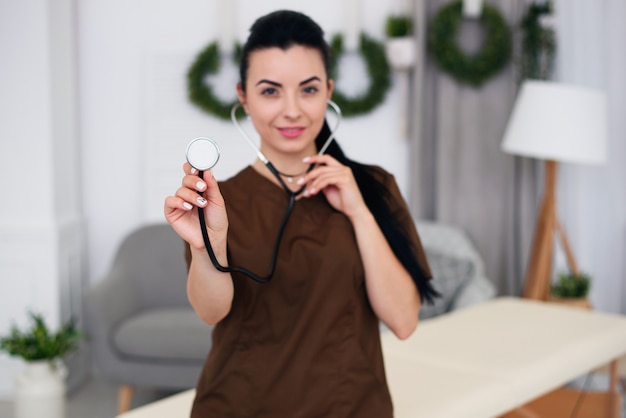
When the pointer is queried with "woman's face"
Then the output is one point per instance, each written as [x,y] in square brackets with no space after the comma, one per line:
[286,94]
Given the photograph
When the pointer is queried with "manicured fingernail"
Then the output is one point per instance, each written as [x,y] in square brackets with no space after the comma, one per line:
[193,170]
[300,181]
[188,205]
[201,200]
[306,159]
[200,186]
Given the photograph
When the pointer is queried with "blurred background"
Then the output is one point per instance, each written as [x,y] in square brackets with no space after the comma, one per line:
[95,118]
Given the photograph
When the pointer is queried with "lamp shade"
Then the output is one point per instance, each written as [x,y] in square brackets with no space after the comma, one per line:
[560,122]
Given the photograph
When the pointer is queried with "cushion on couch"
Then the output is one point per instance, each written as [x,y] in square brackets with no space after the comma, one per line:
[176,334]
[450,275]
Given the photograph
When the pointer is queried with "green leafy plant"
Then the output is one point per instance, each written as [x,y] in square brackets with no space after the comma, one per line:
[570,285]
[398,26]
[39,343]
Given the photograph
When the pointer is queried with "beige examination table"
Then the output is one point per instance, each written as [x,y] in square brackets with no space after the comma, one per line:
[484,361]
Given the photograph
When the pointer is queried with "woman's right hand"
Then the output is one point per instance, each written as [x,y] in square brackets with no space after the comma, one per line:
[181,209]
[210,291]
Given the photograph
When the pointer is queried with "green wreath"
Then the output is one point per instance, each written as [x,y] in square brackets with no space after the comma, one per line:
[199,92]
[379,76]
[488,61]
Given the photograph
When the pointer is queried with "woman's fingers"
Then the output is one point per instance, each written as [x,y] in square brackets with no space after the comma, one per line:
[325,176]
[321,159]
[174,202]
[207,185]
[181,208]
[328,171]
[337,183]
[194,191]
[191,196]
[186,197]
[321,162]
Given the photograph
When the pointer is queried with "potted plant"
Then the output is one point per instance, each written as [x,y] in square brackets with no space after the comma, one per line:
[400,44]
[572,289]
[40,388]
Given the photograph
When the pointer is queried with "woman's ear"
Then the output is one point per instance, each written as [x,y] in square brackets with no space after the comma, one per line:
[242,97]
[331,86]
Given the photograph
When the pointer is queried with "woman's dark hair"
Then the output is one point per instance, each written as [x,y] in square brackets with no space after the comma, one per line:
[284,29]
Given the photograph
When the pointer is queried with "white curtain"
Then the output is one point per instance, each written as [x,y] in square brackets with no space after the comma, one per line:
[462,177]
[592,200]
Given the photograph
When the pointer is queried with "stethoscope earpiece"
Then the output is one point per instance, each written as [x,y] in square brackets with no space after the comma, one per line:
[202,153]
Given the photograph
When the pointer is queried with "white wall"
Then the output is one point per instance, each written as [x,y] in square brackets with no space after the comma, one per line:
[41,249]
[592,199]
[136,119]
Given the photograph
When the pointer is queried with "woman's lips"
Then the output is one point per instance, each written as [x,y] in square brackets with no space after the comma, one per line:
[291,131]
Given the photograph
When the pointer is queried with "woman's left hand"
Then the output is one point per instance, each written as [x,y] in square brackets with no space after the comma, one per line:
[337,183]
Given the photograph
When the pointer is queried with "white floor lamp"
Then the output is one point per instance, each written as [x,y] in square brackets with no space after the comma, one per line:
[554,122]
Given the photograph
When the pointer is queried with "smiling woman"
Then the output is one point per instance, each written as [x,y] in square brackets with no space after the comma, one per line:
[307,343]
[285,93]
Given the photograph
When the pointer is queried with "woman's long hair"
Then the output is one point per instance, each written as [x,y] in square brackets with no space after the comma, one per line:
[285,28]
[376,197]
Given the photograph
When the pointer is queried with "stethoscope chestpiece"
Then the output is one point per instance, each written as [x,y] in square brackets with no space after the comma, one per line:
[202,153]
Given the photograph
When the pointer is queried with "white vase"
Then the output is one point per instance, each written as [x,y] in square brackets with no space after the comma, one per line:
[401,52]
[40,390]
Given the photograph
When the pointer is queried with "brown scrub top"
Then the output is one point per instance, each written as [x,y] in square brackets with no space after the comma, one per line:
[306,344]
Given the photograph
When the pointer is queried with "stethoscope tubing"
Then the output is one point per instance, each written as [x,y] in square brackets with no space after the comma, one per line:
[292,199]
[244,271]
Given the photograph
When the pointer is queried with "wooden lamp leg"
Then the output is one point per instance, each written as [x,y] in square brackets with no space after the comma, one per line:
[538,276]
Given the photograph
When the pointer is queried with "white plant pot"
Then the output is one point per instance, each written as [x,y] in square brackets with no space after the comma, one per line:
[401,52]
[40,390]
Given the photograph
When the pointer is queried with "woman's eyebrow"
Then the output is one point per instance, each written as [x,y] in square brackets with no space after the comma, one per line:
[274,83]
[308,80]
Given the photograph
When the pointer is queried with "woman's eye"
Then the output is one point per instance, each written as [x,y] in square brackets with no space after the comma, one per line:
[269,91]
[310,89]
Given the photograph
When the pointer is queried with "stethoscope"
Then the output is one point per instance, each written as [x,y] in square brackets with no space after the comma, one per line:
[203,153]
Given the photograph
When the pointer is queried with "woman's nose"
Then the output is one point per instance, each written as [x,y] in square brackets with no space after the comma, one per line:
[292,107]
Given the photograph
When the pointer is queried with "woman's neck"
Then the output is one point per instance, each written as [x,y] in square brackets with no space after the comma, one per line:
[290,167]
[290,171]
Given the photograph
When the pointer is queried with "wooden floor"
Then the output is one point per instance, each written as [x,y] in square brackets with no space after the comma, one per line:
[567,403]
[96,399]
[584,398]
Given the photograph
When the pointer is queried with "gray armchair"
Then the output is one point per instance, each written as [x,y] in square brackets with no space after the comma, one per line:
[139,324]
